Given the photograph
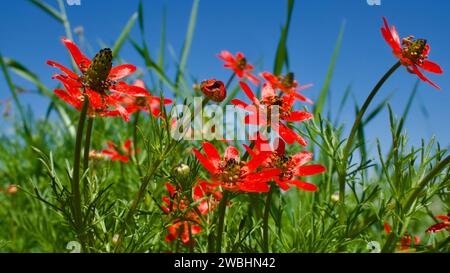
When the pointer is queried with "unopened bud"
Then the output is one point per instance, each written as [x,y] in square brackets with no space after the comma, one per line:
[214,90]
[335,197]
[181,170]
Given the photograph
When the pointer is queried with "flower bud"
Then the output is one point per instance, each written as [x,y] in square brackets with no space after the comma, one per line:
[335,197]
[214,90]
[181,170]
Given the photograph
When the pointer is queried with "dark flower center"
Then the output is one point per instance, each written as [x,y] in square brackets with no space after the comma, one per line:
[242,63]
[96,76]
[231,171]
[284,163]
[287,81]
[270,101]
[414,49]
[141,101]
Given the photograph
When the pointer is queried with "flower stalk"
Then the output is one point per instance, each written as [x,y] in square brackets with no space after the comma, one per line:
[351,138]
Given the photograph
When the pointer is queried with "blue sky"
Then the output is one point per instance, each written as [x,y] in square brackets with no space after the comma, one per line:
[253,27]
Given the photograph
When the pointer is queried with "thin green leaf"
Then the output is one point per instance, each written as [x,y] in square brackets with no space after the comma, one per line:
[323,94]
[13,91]
[48,9]
[187,42]
[124,34]
[281,55]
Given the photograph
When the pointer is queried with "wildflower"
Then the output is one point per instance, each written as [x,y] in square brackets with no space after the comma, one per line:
[406,241]
[413,53]
[214,90]
[235,175]
[289,166]
[287,84]
[264,107]
[186,213]
[98,77]
[239,65]
[122,154]
[445,225]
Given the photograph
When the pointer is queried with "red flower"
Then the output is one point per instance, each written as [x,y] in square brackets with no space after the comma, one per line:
[440,226]
[406,241]
[287,84]
[149,104]
[214,90]
[234,175]
[264,108]
[290,166]
[187,213]
[239,65]
[119,154]
[98,76]
[413,53]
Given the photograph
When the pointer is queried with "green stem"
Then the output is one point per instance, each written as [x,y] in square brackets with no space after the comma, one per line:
[343,168]
[222,211]
[76,196]
[87,148]
[135,142]
[229,81]
[268,205]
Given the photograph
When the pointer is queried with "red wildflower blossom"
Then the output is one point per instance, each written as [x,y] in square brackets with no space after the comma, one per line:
[234,175]
[97,77]
[263,108]
[149,104]
[287,84]
[187,214]
[290,166]
[239,65]
[413,53]
[119,154]
[214,90]
[445,225]
[406,241]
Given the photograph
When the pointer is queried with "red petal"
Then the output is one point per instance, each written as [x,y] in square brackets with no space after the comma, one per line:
[423,78]
[122,71]
[64,69]
[268,91]
[226,56]
[252,78]
[310,170]
[302,158]
[249,93]
[431,67]
[290,136]
[69,99]
[442,217]
[205,162]
[131,90]
[257,160]
[387,228]
[262,176]
[82,61]
[303,185]
[95,99]
[283,185]
[298,116]
[239,103]
[254,187]
[437,227]
[212,154]
[231,153]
